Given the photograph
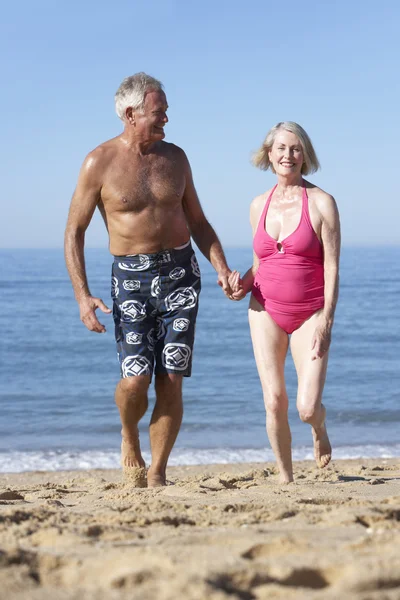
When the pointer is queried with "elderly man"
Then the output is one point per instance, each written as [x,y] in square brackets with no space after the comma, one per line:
[144,190]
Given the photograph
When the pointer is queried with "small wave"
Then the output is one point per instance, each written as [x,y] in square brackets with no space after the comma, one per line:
[18,462]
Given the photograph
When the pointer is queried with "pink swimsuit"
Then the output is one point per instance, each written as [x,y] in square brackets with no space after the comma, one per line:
[289,282]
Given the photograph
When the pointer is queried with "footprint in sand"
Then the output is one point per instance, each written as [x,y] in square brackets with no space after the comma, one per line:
[135,476]
[11,495]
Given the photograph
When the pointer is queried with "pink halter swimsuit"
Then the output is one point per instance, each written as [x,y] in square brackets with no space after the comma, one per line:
[289,282]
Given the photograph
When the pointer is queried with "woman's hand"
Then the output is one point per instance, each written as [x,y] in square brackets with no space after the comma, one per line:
[236,285]
[321,338]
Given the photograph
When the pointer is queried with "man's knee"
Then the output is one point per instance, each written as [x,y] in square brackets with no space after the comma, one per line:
[169,388]
[133,388]
[170,381]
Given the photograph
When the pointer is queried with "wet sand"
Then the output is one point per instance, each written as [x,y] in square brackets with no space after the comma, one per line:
[215,532]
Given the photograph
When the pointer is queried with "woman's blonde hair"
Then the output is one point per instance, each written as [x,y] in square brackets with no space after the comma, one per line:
[261,160]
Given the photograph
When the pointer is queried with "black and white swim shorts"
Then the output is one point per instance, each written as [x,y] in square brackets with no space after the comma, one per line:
[155,304]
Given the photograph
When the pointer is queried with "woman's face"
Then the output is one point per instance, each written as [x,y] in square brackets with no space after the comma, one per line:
[286,154]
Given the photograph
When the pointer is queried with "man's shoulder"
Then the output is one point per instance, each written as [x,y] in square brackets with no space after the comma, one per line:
[99,158]
[171,149]
[104,151]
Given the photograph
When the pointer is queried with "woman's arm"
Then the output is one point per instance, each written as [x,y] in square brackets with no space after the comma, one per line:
[330,238]
[248,277]
[241,287]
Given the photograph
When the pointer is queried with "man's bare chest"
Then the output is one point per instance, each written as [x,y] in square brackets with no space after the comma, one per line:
[136,186]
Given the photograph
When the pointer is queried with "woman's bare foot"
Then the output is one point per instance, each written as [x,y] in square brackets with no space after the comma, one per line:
[133,465]
[155,479]
[284,479]
[322,446]
[285,474]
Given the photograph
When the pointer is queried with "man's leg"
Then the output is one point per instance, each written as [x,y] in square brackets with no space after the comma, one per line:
[180,287]
[164,426]
[131,399]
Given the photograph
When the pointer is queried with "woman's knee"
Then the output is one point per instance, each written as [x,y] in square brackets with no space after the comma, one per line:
[308,413]
[276,404]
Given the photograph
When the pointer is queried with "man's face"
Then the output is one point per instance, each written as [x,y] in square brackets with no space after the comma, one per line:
[150,123]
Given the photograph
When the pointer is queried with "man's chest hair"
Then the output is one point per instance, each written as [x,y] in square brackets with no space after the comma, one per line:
[132,185]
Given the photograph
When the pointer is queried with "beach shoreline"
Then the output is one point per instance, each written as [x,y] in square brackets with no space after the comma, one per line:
[216,532]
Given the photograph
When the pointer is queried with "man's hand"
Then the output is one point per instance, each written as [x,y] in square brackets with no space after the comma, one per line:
[223,281]
[87,308]
[321,338]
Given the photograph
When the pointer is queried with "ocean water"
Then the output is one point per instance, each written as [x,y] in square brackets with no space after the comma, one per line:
[57,379]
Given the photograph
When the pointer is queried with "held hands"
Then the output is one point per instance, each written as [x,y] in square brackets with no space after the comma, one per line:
[87,308]
[236,285]
[223,281]
[321,339]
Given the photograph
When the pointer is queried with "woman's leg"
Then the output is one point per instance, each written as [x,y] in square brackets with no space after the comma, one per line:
[270,344]
[311,376]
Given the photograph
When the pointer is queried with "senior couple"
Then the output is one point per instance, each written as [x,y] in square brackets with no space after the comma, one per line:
[144,190]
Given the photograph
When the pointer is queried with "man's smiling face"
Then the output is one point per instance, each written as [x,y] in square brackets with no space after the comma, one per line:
[151,121]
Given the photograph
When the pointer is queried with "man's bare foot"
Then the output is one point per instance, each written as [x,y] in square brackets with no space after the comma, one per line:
[133,465]
[322,446]
[130,453]
[155,479]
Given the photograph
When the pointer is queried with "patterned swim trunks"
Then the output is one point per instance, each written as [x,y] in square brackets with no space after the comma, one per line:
[155,304]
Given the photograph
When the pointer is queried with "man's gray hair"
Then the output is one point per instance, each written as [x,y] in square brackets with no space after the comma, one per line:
[132,92]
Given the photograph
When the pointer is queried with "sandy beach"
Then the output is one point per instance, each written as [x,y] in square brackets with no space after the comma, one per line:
[215,532]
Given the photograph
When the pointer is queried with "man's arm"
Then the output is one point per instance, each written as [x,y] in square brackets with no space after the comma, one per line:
[83,205]
[202,232]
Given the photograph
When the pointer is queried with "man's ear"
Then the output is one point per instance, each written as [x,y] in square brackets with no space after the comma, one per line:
[130,115]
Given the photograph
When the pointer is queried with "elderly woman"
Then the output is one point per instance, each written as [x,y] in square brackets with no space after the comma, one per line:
[294,288]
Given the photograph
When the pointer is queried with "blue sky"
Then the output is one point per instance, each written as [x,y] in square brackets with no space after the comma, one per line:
[231,71]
